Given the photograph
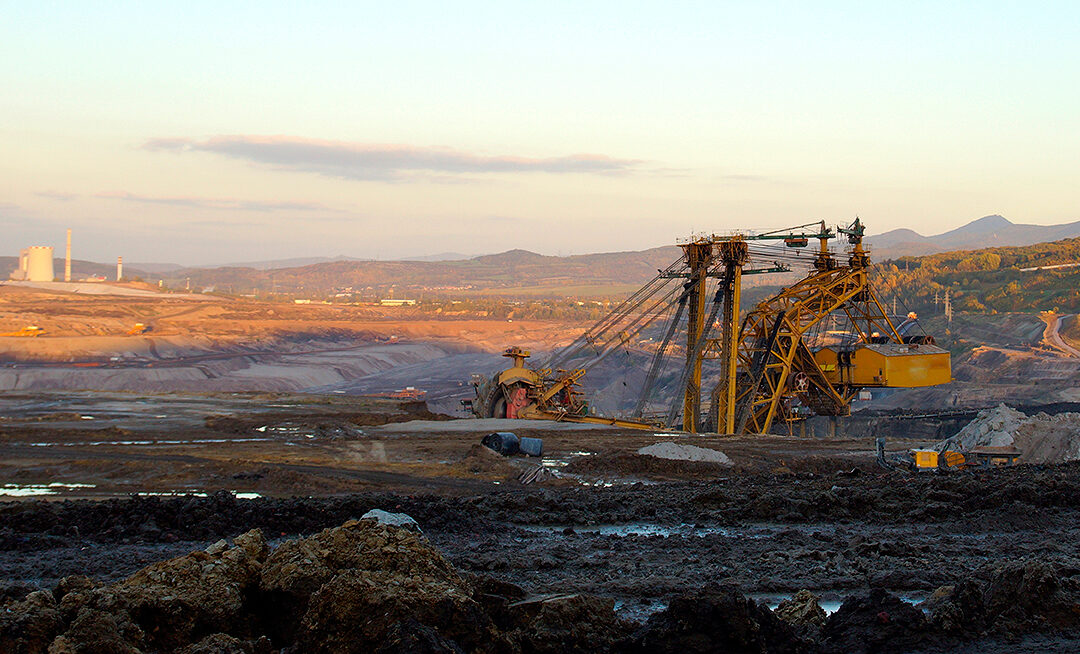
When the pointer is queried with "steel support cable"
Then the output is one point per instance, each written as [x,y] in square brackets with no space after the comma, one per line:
[612,346]
[658,356]
[615,316]
[694,356]
[816,223]
[775,252]
[626,306]
[632,304]
[570,353]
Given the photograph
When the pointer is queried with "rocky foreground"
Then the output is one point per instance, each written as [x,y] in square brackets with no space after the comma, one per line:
[366,586]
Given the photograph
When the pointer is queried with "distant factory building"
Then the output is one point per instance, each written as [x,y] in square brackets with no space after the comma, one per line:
[393,302]
[35,264]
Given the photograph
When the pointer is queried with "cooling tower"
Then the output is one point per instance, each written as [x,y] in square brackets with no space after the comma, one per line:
[36,263]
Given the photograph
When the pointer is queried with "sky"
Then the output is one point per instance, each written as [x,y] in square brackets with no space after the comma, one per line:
[200,133]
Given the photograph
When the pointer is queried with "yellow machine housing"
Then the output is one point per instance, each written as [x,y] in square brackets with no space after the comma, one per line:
[886,365]
[931,459]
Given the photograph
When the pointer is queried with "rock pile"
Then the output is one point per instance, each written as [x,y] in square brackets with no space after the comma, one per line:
[1042,438]
[678,452]
[365,586]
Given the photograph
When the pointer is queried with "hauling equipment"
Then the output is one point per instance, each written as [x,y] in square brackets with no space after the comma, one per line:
[783,362]
[30,331]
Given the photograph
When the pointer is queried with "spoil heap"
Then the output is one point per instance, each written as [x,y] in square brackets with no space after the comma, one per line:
[1041,438]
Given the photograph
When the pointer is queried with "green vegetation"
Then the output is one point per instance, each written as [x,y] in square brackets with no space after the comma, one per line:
[985,281]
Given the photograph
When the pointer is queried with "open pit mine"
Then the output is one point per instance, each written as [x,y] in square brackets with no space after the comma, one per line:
[708,464]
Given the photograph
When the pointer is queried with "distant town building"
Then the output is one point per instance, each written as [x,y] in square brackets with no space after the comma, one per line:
[396,302]
[35,264]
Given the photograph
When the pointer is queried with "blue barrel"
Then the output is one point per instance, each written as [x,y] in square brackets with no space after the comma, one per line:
[531,446]
[503,442]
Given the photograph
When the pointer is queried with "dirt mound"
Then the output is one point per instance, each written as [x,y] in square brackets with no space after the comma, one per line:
[716,619]
[680,452]
[360,587]
[196,595]
[29,625]
[1042,438]
[483,461]
[297,569]
[567,623]
[357,609]
[1017,597]
[878,622]
[803,609]
[226,644]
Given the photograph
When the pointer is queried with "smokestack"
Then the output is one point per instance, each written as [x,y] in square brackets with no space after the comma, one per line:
[119,268]
[67,259]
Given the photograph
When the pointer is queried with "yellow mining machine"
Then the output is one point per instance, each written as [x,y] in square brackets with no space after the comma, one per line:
[30,331]
[782,363]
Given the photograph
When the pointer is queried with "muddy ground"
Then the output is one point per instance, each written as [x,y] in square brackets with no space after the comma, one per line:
[789,514]
[644,546]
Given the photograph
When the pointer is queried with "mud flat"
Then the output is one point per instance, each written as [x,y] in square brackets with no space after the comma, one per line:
[902,563]
[646,554]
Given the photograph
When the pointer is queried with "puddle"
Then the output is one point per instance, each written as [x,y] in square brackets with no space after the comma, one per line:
[152,442]
[683,530]
[829,603]
[640,611]
[56,488]
[240,495]
[38,490]
[171,494]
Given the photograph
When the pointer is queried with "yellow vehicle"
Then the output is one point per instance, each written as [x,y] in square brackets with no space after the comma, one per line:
[28,331]
[139,328]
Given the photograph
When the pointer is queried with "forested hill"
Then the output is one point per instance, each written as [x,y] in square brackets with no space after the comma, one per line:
[987,280]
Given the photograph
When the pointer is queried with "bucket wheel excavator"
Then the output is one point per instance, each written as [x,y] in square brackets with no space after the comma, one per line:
[784,361]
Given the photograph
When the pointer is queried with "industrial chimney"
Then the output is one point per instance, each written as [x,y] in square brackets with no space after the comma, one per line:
[119,268]
[67,258]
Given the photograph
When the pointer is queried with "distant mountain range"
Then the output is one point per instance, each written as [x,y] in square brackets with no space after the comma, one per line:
[521,270]
[986,232]
[297,262]
[524,273]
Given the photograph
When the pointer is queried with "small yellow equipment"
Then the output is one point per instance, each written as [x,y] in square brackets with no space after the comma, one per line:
[30,331]
[932,459]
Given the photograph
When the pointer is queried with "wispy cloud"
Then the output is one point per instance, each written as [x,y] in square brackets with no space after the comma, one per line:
[386,162]
[57,195]
[214,203]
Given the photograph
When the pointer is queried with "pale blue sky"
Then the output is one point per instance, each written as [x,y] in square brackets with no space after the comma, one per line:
[389,129]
